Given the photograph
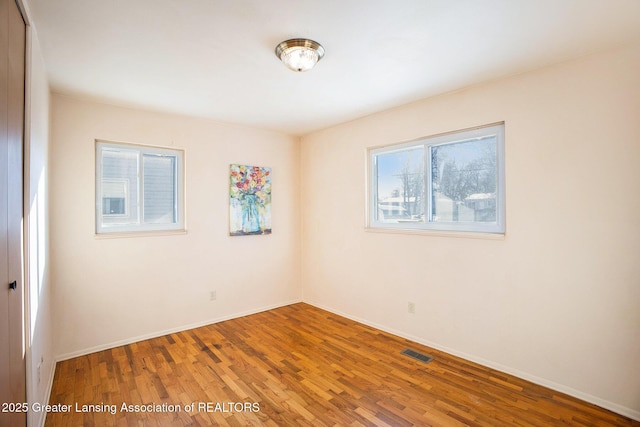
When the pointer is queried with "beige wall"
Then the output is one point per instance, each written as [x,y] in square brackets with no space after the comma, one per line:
[115,290]
[556,300]
[39,349]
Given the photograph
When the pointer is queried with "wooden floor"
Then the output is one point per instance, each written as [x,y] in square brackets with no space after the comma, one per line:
[299,366]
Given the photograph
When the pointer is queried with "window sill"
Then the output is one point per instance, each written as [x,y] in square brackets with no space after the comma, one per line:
[132,234]
[438,233]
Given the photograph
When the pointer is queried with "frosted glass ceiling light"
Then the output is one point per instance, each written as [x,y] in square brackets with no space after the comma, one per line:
[299,54]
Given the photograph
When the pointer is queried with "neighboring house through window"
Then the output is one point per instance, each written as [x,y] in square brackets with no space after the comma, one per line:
[114,196]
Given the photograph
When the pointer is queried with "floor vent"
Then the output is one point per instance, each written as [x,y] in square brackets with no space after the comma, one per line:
[418,356]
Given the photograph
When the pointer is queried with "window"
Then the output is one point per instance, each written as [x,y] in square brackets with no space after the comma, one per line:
[138,188]
[451,182]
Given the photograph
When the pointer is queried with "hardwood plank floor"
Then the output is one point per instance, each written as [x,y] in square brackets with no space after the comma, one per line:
[299,366]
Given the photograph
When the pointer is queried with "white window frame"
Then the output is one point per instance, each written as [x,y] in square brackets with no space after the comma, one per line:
[140,226]
[497,227]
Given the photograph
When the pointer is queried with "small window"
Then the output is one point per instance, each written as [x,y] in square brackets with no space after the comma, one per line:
[113,206]
[451,182]
[138,188]
[114,196]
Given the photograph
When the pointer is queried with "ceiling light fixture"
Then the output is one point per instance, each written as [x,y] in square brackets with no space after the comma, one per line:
[299,54]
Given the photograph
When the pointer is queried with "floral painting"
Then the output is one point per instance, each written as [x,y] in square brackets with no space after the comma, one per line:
[249,200]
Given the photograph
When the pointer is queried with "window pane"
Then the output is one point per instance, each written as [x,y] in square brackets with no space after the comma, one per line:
[400,186]
[464,181]
[113,206]
[119,187]
[160,201]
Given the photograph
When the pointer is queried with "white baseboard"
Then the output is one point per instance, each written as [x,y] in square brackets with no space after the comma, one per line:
[614,407]
[47,395]
[107,346]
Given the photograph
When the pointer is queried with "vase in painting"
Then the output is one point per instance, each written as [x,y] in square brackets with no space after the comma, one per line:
[250,216]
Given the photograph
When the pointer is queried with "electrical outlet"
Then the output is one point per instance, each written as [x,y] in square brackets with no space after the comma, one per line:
[411,307]
[212,296]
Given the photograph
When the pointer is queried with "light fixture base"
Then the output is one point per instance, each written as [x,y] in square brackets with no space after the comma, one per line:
[299,54]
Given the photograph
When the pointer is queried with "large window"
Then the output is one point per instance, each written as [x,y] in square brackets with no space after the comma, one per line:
[450,182]
[138,188]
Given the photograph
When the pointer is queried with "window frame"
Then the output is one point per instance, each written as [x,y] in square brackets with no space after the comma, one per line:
[140,227]
[497,227]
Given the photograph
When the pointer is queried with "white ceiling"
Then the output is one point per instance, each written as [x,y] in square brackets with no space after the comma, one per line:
[215,58]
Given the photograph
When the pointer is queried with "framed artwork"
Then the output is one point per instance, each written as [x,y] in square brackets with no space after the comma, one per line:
[249,200]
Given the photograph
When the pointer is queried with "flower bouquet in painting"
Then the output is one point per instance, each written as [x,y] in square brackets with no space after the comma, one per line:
[249,200]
